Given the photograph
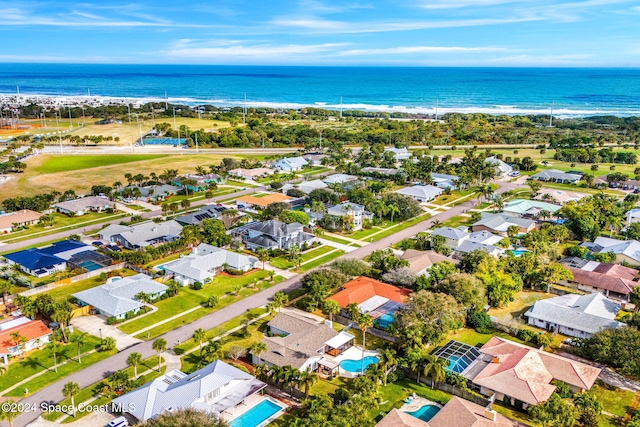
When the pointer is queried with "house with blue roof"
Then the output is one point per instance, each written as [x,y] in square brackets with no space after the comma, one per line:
[41,262]
[290,164]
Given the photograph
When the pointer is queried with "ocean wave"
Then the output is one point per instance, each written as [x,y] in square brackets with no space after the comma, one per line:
[558,111]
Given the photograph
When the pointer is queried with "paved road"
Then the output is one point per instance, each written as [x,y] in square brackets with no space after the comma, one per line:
[98,226]
[53,393]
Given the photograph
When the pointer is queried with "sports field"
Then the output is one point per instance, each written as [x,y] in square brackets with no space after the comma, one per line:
[55,164]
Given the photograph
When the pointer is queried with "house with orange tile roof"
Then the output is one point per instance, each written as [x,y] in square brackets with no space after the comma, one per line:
[260,202]
[33,334]
[520,373]
[20,218]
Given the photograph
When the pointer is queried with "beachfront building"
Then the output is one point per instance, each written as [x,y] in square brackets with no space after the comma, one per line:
[119,298]
[206,261]
[217,388]
[23,218]
[298,339]
[41,262]
[251,174]
[273,234]
[516,372]
[575,315]
[421,193]
[143,234]
[35,334]
[84,205]
[554,175]
[290,164]
[612,280]
[353,211]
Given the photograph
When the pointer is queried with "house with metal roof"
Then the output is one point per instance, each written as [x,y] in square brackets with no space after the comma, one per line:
[453,237]
[443,180]
[575,315]
[206,261]
[40,262]
[554,175]
[205,212]
[625,250]
[290,164]
[216,388]
[143,234]
[84,205]
[500,222]
[421,193]
[117,298]
[357,213]
[501,168]
[273,234]
[298,339]
[35,333]
[21,218]
[305,186]
[515,371]
[526,207]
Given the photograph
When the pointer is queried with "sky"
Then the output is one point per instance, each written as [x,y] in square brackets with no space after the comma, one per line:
[491,33]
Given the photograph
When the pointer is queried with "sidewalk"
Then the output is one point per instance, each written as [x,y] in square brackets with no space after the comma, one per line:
[337,245]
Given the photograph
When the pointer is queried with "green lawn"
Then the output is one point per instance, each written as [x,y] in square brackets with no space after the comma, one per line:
[613,399]
[335,239]
[363,233]
[71,163]
[63,292]
[238,183]
[514,415]
[313,170]
[401,226]
[456,221]
[323,260]
[222,286]
[167,258]
[455,195]
[475,338]
[284,264]
[42,361]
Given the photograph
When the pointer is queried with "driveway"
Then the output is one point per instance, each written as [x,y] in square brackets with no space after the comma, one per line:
[94,324]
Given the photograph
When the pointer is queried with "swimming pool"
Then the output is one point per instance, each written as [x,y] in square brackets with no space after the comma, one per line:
[518,252]
[356,366]
[385,320]
[425,413]
[257,415]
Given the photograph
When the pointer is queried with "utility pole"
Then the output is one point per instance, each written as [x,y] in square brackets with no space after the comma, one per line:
[59,136]
[70,121]
[166,100]
[244,108]
[129,112]
[551,115]
[174,117]
[436,109]
[340,107]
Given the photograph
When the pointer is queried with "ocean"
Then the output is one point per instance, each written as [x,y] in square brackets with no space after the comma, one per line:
[571,91]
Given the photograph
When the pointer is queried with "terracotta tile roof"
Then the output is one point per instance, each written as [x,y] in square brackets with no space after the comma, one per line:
[264,201]
[525,373]
[362,288]
[606,278]
[462,413]
[31,331]
[397,418]
[18,217]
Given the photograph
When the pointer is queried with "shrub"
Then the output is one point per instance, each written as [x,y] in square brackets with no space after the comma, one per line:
[479,320]
[544,340]
[197,286]
[526,335]
[113,320]
[233,271]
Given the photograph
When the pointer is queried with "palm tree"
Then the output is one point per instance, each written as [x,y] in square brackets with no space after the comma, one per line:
[305,380]
[134,360]
[191,235]
[79,339]
[54,347]
[108,344]
[3,369]
[211,351]
[62,314]
[331,307]
[393,209]
[10,410]
[199,335]
[387,361]
[263,256]
[19,340]
[364,322]
[280,299]
[70,390]
[434,367]
[257,348]
[159,345]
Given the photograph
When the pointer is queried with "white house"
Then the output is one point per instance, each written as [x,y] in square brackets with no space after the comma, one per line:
[501,168]
[273,234]
[143,234]
[84,205]
[399,153]
[444,180]
[421,193]
[35,334]
[204,262]
[216,388]
[290,164]
[305,186]
[575,315]
[356,211]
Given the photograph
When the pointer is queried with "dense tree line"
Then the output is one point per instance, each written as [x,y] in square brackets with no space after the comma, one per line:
[591,155]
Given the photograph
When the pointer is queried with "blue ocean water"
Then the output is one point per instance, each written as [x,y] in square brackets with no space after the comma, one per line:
[495,90]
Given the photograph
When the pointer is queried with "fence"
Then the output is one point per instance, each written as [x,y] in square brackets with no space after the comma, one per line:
[74,279]
[456,391]
[146,271]
[378,333]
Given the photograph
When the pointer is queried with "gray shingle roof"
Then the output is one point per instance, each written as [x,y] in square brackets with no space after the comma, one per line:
[449,233]
[206,258]
[84,203]
[558,175]
[422,191]
[275,228]
[630,248]
[176,390]
[305,186]
[205,212]
[345,208]
[338,178]
[501,221]
[118,297]
[468,246]
[588,313]
[140,234]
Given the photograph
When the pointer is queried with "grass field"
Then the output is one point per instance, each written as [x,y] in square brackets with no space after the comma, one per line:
[322,260]
[63,292]
[284,264]
[70,163]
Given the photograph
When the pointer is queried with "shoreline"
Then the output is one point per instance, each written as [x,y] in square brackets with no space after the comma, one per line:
[56,101]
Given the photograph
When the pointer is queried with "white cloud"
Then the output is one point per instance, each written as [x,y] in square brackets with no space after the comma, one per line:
[457,4]
[418,49]
[226,49]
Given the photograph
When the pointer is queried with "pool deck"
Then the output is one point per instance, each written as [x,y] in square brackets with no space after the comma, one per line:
[417,403]
[353,353]
[250,402]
